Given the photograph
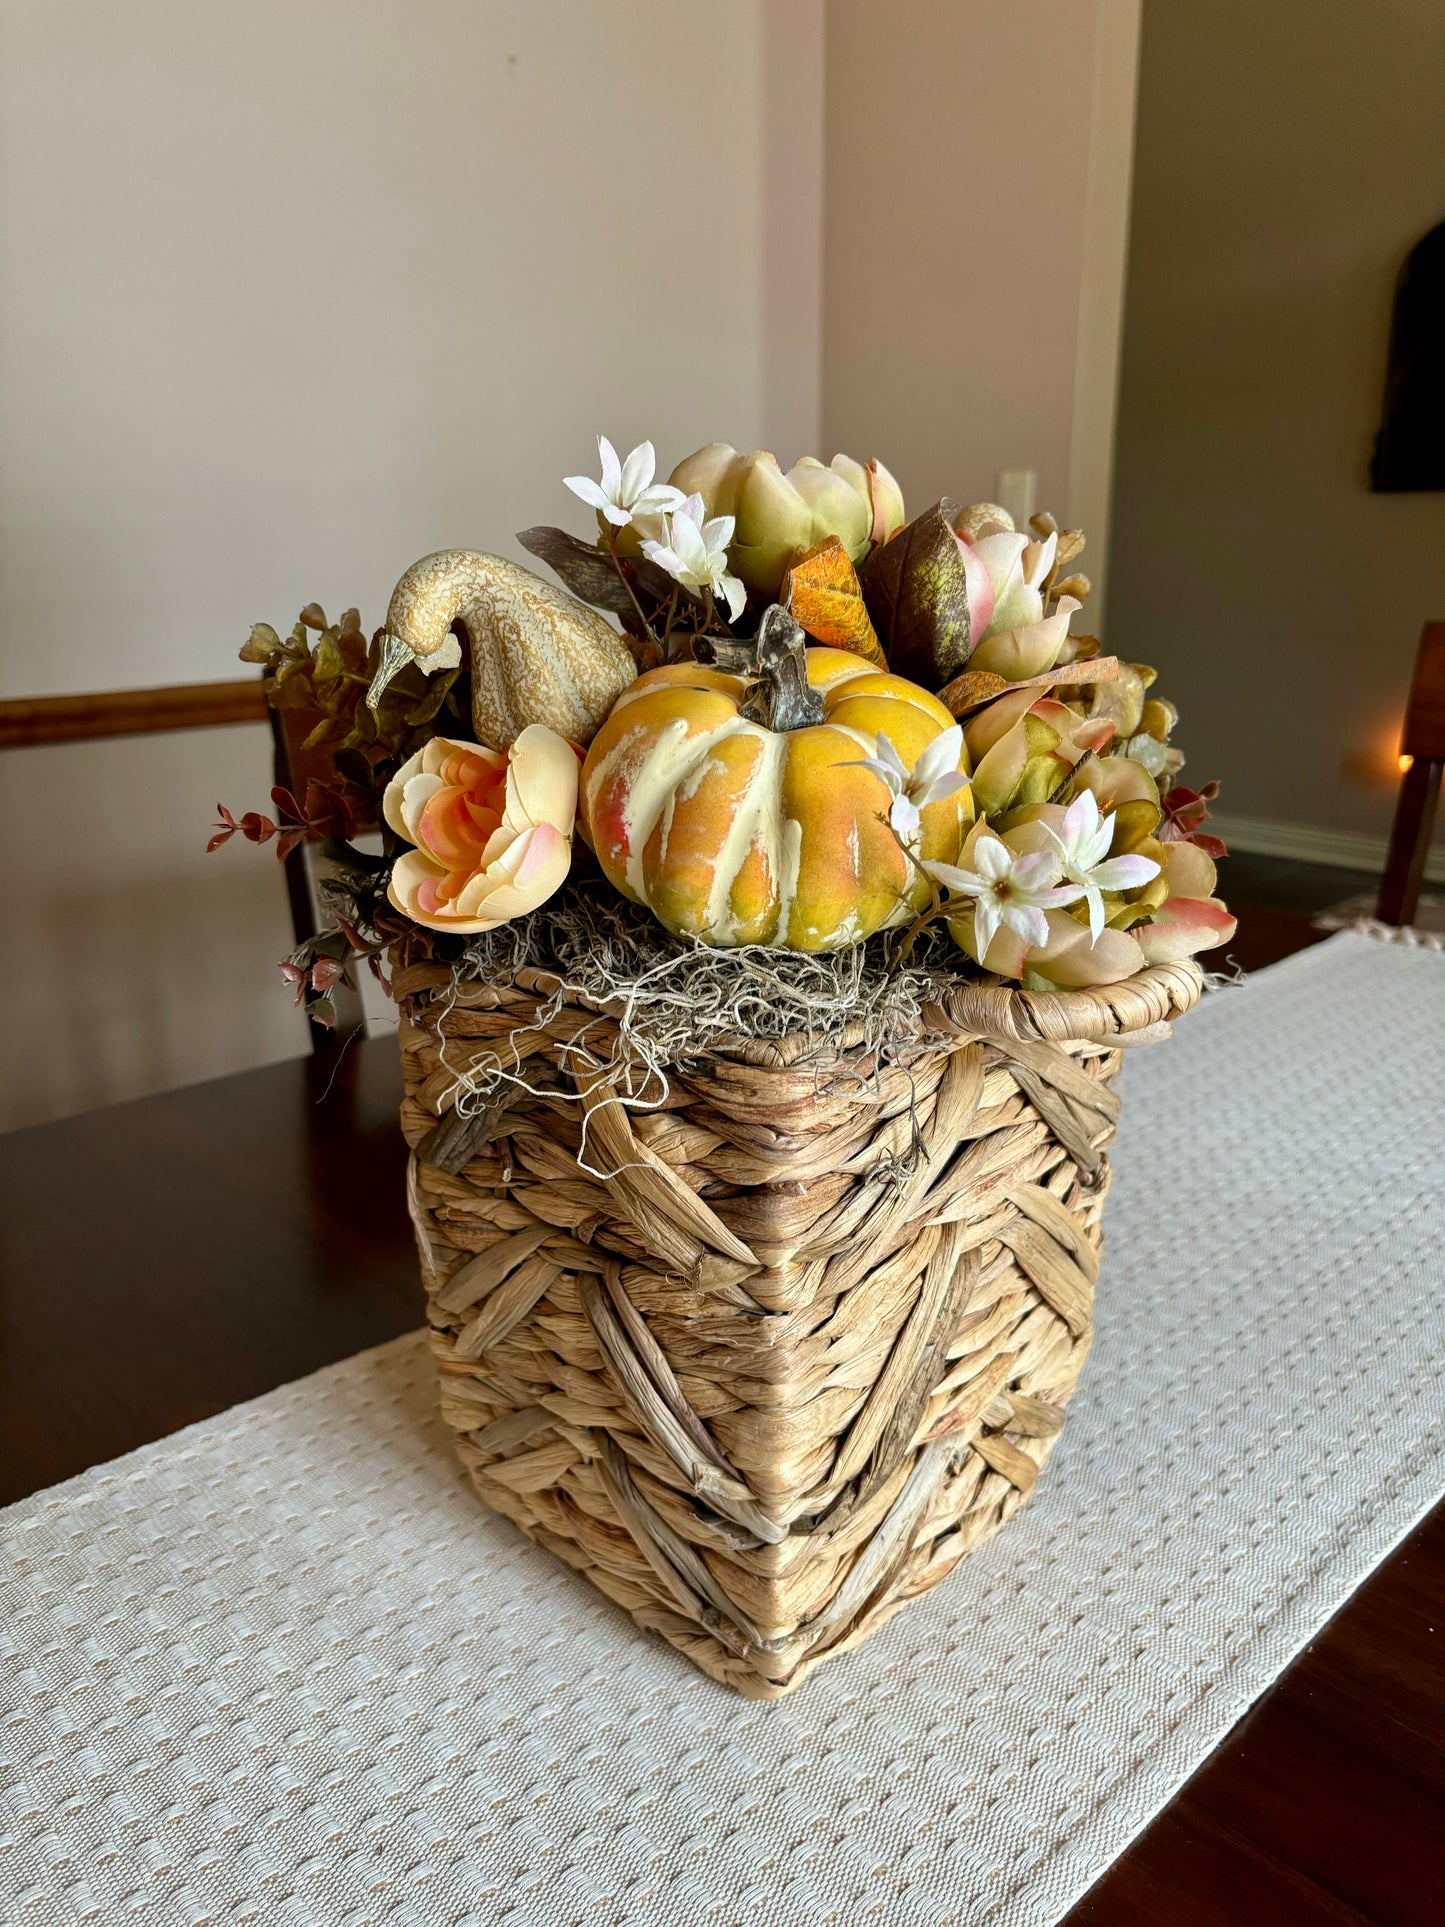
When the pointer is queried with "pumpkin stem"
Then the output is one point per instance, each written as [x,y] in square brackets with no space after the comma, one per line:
[775,666]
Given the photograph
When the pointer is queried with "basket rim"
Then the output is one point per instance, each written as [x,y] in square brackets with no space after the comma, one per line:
[988,1009]
[994,1008]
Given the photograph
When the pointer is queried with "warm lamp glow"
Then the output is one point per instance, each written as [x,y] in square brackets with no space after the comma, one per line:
[1404,762]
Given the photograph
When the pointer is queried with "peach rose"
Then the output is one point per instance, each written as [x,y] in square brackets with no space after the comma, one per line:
[493,829]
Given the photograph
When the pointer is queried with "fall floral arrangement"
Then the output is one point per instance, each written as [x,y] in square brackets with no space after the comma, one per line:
[819,723]
[756,1185]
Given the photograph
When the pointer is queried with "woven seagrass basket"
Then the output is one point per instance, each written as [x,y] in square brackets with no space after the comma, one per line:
[772,1377]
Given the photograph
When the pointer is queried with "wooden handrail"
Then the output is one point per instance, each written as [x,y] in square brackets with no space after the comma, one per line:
[29,720]
[32,721]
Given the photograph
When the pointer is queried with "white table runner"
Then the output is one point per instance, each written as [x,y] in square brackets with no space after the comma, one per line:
[282,1668]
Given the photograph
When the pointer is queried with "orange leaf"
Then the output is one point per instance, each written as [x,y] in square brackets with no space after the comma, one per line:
[821,592]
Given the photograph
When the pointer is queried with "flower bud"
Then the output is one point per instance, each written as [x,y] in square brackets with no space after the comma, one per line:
[888,510]
[879,491]
[779,516]
[1018,569]
[774,523]
[714,473]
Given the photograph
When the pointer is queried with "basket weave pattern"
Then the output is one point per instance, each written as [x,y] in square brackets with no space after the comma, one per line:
[813,1338]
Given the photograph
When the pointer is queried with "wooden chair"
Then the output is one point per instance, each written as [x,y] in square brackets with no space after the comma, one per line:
[1423,741]
[32,721]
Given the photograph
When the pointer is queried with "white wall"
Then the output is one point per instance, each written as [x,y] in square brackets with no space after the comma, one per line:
[291,295]
[978,159]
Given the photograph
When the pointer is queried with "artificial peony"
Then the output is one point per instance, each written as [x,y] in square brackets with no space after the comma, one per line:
[492,829]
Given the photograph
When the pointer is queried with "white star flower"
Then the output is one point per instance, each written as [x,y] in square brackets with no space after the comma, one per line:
[1008,889]
[935,775]
[696,552]
[626,488]
[1083,848]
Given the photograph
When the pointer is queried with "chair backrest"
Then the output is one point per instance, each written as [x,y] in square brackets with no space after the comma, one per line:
[1423,740]
[35,721]
[1424,731]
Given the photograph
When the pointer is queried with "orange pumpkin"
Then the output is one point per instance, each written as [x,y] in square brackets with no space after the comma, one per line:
[734,833]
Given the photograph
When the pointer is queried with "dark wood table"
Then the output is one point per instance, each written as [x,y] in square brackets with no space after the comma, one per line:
[161,1260]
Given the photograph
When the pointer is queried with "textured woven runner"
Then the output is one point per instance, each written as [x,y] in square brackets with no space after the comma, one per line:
[282,1668]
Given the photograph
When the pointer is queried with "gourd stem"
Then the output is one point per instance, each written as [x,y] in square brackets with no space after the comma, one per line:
[775,666]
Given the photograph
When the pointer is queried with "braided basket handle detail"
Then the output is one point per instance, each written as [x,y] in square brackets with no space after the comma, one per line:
[999,1012]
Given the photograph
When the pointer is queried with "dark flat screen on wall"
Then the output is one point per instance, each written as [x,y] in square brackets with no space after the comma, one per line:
[1410,449]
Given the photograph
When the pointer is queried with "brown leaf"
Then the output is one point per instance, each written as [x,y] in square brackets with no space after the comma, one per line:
[975,687]
[916,590]
[327,811]
[583,567]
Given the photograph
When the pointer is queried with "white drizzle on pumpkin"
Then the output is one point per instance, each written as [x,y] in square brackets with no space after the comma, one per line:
[752,822]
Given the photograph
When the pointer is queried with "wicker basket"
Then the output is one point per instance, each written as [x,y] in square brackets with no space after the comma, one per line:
[779,1372]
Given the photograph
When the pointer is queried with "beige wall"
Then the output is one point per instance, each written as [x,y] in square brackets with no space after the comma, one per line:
[1288,156]
[291,295]
[131,960]
[977,186]
[296,293]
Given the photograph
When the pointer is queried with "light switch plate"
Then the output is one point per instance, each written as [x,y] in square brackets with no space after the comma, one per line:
[1017,490]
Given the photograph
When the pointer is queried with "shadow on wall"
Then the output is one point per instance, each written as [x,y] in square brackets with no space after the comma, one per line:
[144,962]
[1281,599]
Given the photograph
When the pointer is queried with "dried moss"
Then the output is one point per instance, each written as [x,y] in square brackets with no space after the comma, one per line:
[674,999]
[846,1015]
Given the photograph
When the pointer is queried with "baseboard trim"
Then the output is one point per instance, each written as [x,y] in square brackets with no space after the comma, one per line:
[1307,843]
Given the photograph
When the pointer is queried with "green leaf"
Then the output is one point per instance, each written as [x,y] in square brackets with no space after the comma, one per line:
[328,730]
[351,764]
[433,700]
[916,590]
[329,661]
[584,568]
[1133,821]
